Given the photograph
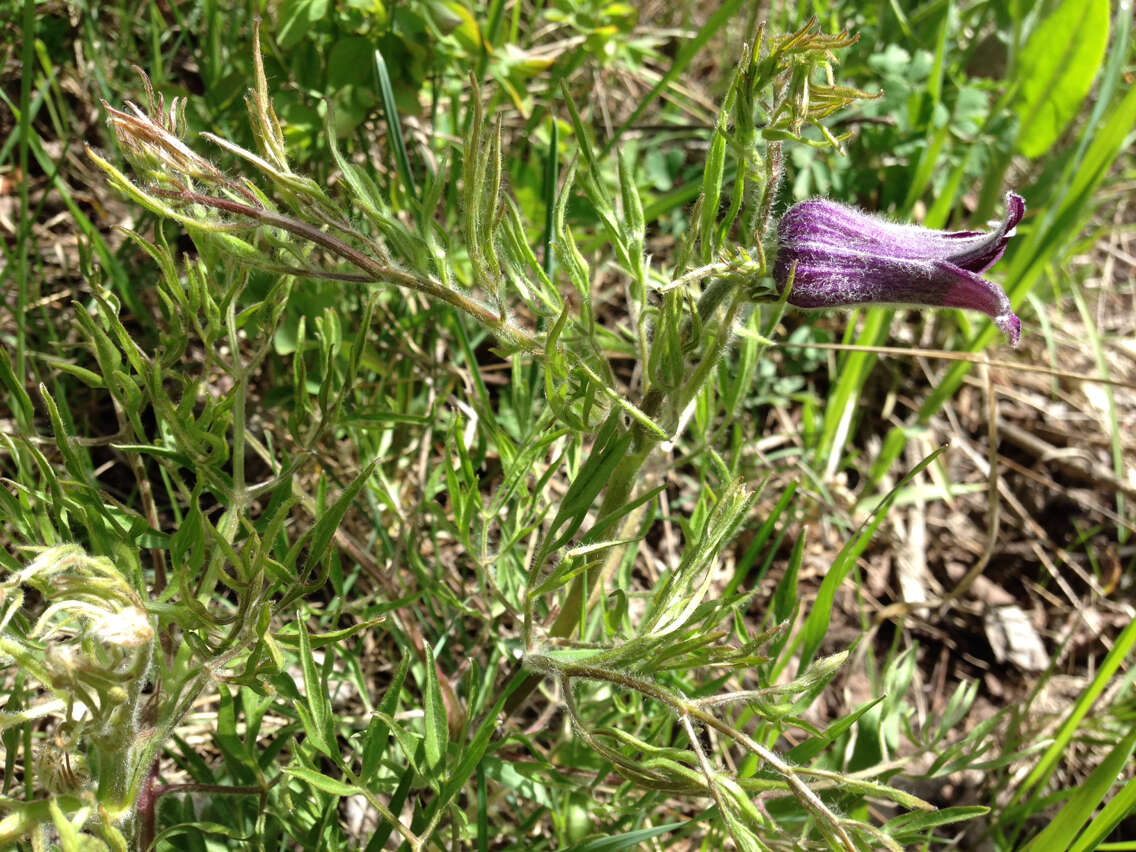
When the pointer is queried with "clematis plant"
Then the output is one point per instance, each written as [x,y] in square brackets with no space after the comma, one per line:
[837,256]
[551,560]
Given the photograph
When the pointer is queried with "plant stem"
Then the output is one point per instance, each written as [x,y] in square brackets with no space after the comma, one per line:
[584,587]
[499,325]
[695,710]
[147,808]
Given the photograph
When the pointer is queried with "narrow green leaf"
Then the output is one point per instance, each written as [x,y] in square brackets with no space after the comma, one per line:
[816,625]
[229,742]
[551,173]
[629,840]
[785,596]
[741,573]
[875,789]
[322,782]
[312,729]
[917,823]
[712,187]
[394,126]
[813,746]
[379,840]
[1044,768]
[319,537]
[332,637]
[378,732]
[1118,808]
[853,371]
[194,831]
[363,189]
[437,733]
[581,137]
[22,402]
[610,449]
[473,751]
[1061,831]
[71,457]
[482,811]
[317,702]
[68,834]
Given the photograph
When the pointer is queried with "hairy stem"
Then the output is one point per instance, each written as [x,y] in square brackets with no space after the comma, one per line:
[499,325]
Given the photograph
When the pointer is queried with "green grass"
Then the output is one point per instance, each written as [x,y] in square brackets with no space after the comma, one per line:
[428,466]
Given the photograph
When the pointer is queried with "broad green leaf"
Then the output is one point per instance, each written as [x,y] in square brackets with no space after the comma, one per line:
[295,18]
[454,19]
[1057,69]
[348,62]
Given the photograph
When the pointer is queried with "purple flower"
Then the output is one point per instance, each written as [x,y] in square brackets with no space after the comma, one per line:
[845,257]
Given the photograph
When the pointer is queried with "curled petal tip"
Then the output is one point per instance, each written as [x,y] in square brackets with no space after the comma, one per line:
[1015,210]
[1011,326]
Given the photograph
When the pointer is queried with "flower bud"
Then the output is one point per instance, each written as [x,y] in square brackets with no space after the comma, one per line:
[841,257]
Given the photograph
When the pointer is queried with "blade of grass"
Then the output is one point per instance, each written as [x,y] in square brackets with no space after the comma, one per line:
[853,371]
[394,126]
[1104,137]
[629,840]
[23,276]
[816,625]
[1117,809]
[1061,831]
[1048,762]
[1113,420]
[685,55]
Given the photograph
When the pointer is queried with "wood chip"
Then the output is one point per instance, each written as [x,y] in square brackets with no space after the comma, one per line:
[1012,638]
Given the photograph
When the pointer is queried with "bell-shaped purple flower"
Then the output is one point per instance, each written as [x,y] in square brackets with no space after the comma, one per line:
[844,257]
